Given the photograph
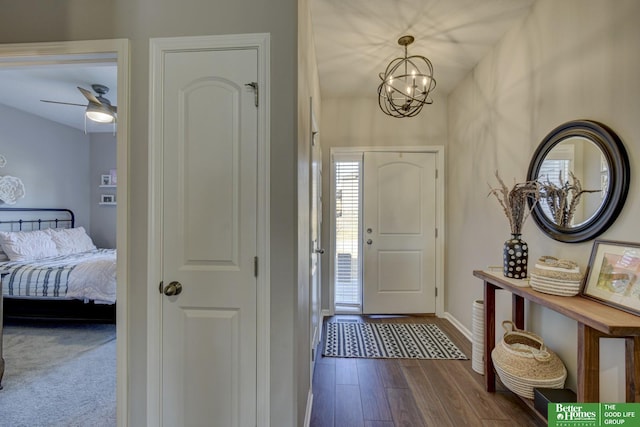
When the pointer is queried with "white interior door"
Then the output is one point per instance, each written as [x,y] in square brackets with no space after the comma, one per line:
[399,249]
[209,185]
[316,243]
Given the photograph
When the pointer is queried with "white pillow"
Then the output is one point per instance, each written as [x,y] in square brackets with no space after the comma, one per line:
[71,240]
[27,245]
[3,256]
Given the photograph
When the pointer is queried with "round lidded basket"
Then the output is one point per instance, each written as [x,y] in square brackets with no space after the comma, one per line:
[523,362]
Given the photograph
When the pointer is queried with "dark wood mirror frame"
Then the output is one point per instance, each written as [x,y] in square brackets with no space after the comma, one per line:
[618,186]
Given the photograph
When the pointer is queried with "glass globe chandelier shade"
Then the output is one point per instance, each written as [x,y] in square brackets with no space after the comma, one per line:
[100,113]
[406,84]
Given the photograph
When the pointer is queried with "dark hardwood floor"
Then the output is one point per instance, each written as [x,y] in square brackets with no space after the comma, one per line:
[413,393]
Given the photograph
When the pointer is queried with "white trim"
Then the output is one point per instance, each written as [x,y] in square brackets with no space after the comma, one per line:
[307,414]
[440,212]
[10,54]
[157,48]
[459,326]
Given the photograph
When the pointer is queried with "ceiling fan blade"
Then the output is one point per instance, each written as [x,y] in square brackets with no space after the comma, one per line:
[90,96]
[64,103]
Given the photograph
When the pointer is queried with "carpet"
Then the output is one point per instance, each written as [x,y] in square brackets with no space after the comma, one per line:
[59,375]
[389,340]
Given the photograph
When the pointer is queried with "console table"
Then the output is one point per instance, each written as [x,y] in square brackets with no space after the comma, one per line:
[595,321]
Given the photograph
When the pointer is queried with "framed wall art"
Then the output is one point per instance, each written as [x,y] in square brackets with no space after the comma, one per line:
[613,276]
[107,198]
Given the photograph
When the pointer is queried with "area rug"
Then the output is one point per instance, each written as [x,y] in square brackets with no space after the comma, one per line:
[389,340]
[59,375]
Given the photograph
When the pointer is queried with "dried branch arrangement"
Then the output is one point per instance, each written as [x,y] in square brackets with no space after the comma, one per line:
[563,200]
[514,201]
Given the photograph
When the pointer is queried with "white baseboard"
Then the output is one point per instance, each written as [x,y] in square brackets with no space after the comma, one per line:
[307,414]
[459,326]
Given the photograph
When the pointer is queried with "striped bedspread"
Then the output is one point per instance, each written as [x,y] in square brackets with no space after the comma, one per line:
[87,276]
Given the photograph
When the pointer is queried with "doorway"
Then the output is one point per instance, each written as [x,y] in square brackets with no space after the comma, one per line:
[387,230]
[116,51]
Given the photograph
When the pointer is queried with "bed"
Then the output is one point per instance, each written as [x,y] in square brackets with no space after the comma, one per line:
[54,269]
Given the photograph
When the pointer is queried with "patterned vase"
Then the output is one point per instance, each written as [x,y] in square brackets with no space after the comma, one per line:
[515,257]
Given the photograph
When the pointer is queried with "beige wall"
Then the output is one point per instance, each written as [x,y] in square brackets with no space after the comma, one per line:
[569,59]
[139,20]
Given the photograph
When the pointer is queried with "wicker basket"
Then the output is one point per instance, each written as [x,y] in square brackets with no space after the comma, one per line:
[523,362]
[555,276]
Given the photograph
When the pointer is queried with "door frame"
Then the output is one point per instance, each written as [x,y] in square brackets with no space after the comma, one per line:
[17,53]
[438,150]
[158,47]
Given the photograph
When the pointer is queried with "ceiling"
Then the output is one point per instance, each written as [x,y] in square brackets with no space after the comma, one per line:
[354,40]
[25,83]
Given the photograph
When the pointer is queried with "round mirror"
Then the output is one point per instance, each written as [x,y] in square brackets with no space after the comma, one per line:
[583,169]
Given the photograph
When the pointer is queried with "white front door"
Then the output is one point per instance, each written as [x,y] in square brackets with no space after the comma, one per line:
[208,139]
[399,232]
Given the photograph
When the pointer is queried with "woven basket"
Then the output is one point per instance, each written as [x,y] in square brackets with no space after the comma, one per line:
[523,362]
[556,276]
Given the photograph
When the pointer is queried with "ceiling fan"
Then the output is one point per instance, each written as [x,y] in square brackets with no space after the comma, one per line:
[99,108]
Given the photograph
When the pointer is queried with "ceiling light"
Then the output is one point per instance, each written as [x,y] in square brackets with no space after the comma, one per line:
[406,84]
[99,113]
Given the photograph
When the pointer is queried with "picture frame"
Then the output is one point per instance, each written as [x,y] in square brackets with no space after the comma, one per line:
[114,176]
[105,179]
[107,198]
[613,275]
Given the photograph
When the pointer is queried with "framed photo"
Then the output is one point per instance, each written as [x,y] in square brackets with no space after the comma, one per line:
[107,198]
[613,277]
[105,179]
[114,176]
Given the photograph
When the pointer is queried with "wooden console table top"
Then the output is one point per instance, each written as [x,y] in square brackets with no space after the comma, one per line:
[606,319]
[595,321]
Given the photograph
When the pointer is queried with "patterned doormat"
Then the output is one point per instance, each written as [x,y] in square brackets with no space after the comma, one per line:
[389,340]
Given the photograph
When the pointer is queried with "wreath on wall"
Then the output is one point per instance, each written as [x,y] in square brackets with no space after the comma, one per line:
[11,188]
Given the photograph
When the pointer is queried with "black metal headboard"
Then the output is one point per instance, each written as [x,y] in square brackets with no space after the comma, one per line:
[29,219]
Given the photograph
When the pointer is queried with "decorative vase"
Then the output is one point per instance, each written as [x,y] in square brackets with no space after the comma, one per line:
[515,257]
[477,330]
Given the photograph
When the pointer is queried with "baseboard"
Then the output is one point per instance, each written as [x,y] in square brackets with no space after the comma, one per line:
[307,414]
[459,326]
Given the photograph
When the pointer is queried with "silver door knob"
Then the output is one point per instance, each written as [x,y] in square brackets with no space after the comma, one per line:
[369,241]
[173,288]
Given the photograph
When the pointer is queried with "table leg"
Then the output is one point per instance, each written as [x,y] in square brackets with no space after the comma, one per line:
[632,368]
[489,335]
[517,310]
[588,363]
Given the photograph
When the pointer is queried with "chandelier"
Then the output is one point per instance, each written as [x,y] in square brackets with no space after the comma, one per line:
[406,84]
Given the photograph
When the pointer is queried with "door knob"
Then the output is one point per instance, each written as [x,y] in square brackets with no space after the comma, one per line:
[369,241]
[173,288]
[319,251]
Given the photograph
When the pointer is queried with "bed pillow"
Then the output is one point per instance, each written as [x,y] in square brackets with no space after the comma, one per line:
[3,256]
[27,245]
[71,240]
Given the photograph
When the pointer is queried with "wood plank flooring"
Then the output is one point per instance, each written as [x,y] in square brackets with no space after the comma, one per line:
[410,393]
